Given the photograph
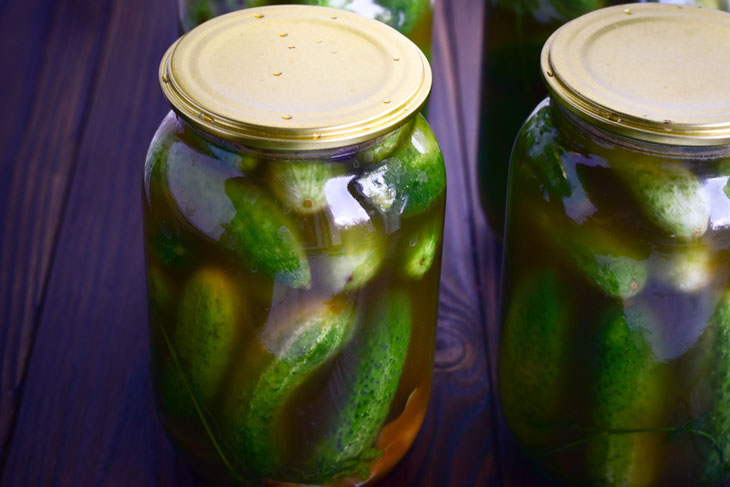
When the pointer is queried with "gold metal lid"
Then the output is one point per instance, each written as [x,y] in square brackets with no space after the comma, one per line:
[653,72]
[295,77]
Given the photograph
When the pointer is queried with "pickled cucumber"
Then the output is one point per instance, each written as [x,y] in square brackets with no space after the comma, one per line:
[421,250]
[672,198]
[385,147]
[544,152]
[301,185]
[570,9]
[196,187]
[168,245]
[609,262]
[532,356]
[409,182]
[262,236]
[403,15]
[627,396]
[348,449]
[354,263]
[196,12]
[718,462]
[202,342]
[317,338]
[242,161]
[687,269]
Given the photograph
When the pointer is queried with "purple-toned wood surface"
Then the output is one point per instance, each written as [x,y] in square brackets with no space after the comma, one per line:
[80,102]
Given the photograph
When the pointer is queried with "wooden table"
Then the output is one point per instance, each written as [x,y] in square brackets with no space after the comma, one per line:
[80,102]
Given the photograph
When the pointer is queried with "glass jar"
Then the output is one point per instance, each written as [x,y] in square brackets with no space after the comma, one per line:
[412,18]
[615,349]
[514,34]
[293,258]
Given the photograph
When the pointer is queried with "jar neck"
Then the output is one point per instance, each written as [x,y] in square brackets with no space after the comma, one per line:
[334,154]
[584,131]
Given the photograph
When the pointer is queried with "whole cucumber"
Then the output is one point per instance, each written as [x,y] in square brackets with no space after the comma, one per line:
[627,395]
[421,250]
[411,180]
[317,337]
[671,197]
[354,263]
[301,184]
[202,342]
[348,448]
[539,140]
[687,269]
[717,467]
[533,356]
[262,236]
[385,146]
[611,263]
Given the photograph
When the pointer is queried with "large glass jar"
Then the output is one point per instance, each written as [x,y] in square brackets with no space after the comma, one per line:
[412,18]
[293,272]
[514,34]
[615,348]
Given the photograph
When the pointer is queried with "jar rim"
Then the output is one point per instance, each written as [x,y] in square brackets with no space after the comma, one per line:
[295,77]
[652,72]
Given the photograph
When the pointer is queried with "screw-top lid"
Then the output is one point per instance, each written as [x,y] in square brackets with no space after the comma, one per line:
[295,77]
[653,72]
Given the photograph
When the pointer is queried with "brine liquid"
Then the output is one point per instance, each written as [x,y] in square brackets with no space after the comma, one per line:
[191,224]
[665,417]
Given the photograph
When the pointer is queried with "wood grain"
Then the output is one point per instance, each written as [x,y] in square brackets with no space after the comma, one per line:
[53,49]
[86,417]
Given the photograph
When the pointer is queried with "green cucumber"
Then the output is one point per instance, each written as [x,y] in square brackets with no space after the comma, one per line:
[543,152]
[301,184]
[672,198]
[616,268]
[627,395]
[202,343]
[385,147]
[571,9]
[167,245]
[421,251]
[410,181]
[688,269]
[717,465]
[533,356]
[239,159]
[348,449]
[354,263]
[316,339]
[403,15]
[196,12]
[196,186]
[262,236]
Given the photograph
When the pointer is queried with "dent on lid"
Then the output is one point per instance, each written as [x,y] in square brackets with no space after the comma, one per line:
[654,72]
[295,77]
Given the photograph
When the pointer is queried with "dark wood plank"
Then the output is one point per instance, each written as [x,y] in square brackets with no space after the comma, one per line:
[53,49]
[86,416]
[88,395]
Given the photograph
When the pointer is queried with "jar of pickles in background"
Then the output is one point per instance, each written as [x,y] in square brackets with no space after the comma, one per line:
[294,206]
[615,349]
[514,33]
[412,18]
